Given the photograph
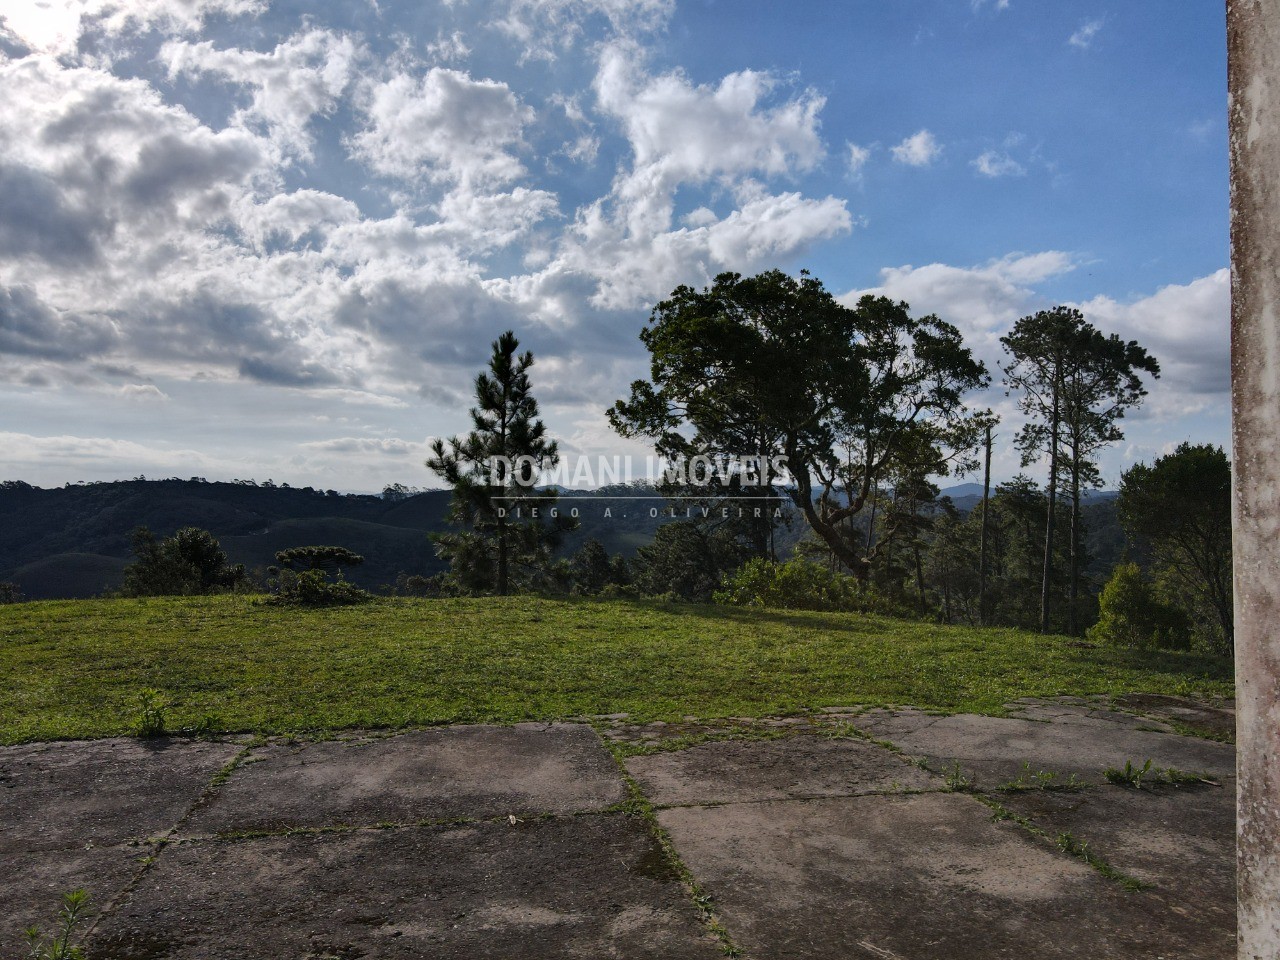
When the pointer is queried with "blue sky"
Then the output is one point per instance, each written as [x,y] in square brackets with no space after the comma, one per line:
[252,239]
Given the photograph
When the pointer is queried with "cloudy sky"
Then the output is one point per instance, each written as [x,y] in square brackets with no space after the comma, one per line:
[242,238]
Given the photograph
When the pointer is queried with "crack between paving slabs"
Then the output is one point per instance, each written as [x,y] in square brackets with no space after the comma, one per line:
[801,798]
[511,819]
[638,804]
[1073,848]
[157,845]
[846,728]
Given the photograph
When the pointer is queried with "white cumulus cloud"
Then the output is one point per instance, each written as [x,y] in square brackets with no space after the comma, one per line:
[302,77]
[993,163]
[443,126]
[857,157]
[1083,38]
[918,150]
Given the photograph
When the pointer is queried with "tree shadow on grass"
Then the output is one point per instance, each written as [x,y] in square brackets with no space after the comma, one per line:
[1193,665]
[1188,664]
[811,620]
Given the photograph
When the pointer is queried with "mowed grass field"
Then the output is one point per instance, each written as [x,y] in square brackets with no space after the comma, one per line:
[77,668]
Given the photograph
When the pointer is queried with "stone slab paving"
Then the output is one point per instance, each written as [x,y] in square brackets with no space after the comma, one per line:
[32,884]
[589,887]
[1210,719]
[1072,740]
[59,795]
[78,814]
[484,841]
[1180,840]
[795,766]
[472,771]
[911,877]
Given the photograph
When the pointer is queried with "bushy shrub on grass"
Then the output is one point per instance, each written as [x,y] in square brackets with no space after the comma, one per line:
[799,584]
[684,560]
[312,588]
[190,563]
[1130,614]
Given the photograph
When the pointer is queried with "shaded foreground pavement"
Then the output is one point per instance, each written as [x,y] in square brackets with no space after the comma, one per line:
[885,835]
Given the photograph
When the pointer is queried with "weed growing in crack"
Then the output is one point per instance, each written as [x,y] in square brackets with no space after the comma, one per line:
[638,805]
[956,779]
[150,719]
[687,741]
[206,728]
[1046,780]
[60,945]
[1140,778]
[1069,844]
[1178,778]
[1064,842]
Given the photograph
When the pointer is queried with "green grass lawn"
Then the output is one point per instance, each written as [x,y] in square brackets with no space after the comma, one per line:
[77,668]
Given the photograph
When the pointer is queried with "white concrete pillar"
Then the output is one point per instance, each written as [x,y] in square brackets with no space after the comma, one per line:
[1253,42]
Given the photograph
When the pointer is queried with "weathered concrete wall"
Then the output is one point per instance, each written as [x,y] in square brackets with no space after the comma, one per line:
[1253,37]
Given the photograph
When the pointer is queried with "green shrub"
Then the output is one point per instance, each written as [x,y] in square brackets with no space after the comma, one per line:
[312,588]
[590,571]
[798,585]
[617,591]
[1130,614]
[684,560]
[416,585]
[189,563]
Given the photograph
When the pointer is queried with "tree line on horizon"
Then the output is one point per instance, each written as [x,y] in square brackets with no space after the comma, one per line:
[868,405]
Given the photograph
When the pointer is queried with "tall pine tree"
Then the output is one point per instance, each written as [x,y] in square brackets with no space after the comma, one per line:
[1074,384]
[507,532]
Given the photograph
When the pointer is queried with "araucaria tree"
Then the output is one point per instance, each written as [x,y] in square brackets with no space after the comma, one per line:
[1074,383]
[508,531]
[773,365]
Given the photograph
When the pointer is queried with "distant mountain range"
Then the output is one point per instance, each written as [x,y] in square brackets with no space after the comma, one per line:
[73,541]
[966,496]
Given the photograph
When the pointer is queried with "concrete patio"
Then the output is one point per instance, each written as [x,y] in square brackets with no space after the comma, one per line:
[872,834]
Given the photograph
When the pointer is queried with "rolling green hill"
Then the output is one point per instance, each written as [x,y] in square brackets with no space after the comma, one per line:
[73,541]
[387,549]
[68,575]
[77,668]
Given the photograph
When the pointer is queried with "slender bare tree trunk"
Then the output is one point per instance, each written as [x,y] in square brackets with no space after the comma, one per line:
[920,578]
[502,557]
[503,577]
[982,552]
[1049,525]
[1075,540]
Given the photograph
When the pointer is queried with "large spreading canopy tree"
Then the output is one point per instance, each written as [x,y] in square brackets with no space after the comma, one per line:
[773,365]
